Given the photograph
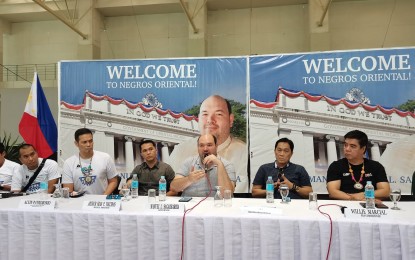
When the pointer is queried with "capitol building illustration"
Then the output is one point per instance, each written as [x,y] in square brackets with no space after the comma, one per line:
[315,123]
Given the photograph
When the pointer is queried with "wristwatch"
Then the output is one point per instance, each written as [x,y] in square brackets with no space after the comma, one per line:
[295,187]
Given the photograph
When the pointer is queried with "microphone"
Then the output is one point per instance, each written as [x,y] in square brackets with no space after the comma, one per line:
[205,165]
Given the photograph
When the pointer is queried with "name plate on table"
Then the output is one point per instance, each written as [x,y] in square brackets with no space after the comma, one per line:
[37,204]
[261,210]
[166,207]
[361,213]
[108,205]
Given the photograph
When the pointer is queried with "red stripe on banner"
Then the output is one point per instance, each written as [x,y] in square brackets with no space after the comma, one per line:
[262,104]
[30,131]
[70,106]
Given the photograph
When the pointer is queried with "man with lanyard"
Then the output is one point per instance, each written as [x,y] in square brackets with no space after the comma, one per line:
[7,168]
[283,172]
[89,171]
[33,171]
[201,173]
[347,177]
[150,171]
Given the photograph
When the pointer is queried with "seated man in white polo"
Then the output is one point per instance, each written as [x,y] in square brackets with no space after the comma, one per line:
[89,171]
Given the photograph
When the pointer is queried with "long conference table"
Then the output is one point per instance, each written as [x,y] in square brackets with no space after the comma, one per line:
[136,232]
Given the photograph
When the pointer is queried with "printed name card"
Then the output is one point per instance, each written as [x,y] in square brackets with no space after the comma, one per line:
[361,213]
[261,210]
[166,207]
[106,205]
[37,204]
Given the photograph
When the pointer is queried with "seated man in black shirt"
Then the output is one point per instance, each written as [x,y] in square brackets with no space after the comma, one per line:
[283,172]
[347,177]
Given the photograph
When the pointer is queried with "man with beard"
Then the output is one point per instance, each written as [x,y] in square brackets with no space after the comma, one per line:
[201,173]
[216,118]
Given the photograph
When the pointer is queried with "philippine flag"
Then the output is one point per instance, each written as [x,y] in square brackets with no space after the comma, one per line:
[37,126]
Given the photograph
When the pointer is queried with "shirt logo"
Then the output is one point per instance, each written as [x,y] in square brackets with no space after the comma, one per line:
[34,187]
[88,180]
[346,174]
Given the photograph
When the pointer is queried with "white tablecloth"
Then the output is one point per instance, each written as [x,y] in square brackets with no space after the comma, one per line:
[210,233]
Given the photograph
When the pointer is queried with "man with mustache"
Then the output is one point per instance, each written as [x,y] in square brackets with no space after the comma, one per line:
[216,118]
[200,174]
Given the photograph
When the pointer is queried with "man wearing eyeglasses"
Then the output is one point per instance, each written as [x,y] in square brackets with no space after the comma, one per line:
[89,171]
[347,177]
[283,172]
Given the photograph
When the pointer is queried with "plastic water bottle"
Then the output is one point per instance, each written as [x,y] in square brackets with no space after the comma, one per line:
[370,195]
[270,190]
[162,188]
[43,190]
[134,187]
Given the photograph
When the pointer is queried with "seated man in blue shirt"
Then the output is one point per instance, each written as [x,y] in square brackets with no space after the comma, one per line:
[283,172]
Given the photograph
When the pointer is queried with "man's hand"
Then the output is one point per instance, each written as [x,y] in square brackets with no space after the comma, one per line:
[211,160]
[277,184]
[287,182]
[195,176]
[357,196]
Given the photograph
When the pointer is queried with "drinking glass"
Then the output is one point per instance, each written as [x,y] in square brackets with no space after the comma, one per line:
[125,192]
[284,191]
[312,200]
[151,196]
[227,198]
[218,199]
[65,193]
[58,191]
[395,196]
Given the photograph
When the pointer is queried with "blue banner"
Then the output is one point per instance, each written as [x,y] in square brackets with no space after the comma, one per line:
[314,99]
[171,101]
[178,84]
[376,73]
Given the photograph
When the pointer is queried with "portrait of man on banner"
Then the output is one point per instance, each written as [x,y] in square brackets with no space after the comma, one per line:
[170,101]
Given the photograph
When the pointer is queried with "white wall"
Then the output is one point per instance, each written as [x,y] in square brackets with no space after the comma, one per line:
[39,43]
[145,36]
[258,31]
[372,24]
